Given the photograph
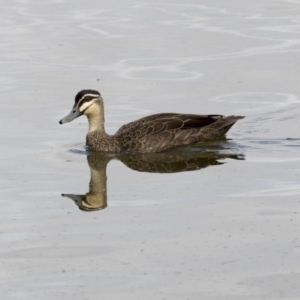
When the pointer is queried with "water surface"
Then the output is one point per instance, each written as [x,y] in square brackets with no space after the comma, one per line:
[219,221]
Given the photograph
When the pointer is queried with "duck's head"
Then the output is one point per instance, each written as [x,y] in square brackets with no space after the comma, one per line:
[85,100]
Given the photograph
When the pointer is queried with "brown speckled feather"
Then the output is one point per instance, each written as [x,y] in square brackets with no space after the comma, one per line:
[163,131]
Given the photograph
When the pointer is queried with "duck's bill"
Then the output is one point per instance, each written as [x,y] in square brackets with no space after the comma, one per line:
[74,113]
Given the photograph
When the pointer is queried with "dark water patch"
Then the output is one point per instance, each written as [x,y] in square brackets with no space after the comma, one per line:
[269,145]
[273,142]
[293,139]
[293,146]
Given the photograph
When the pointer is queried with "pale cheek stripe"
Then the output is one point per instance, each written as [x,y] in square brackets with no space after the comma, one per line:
[85,105]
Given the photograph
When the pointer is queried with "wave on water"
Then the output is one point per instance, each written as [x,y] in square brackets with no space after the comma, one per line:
[79,148]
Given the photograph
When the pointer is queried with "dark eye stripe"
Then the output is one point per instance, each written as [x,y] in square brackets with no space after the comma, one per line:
[86,99]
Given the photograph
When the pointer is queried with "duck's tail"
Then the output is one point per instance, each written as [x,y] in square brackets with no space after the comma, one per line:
[224,124]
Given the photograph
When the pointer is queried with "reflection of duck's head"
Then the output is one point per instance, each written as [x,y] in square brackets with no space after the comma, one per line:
[96,198]
[88,202]
[87,102]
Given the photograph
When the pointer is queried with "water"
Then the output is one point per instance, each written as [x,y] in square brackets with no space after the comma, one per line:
[216,221]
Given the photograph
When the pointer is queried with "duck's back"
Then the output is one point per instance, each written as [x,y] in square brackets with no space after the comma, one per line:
[162,131]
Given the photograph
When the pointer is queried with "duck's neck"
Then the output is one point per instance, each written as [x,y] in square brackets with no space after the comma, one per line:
[95,115]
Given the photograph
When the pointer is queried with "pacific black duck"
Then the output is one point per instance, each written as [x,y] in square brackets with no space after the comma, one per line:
[153,133]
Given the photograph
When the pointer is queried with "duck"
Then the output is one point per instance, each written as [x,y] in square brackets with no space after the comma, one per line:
[150,134]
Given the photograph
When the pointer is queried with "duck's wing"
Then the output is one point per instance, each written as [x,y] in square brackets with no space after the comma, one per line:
[162,131]
[155,124]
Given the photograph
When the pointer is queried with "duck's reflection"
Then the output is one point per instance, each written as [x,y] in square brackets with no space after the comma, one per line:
[181,160]
[96,198]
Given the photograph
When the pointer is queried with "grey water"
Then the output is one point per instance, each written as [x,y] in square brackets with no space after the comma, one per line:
[214,221]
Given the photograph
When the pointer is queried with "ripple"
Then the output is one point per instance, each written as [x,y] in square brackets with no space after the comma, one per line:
[135,203]
[164,68]
[258,102]
[79,148]
[284,190]
[276,150]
